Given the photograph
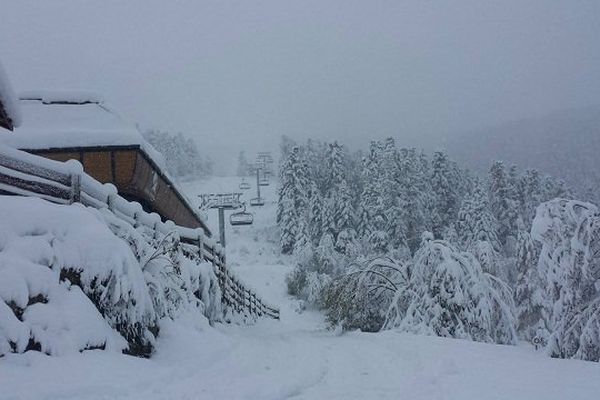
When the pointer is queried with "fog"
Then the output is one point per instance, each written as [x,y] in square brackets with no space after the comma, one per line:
[238,74]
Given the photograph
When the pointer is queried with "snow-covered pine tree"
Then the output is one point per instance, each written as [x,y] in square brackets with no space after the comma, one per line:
[532,194]
[335,169]
[452,297]
[379,240]
[328,217]
[344,213]
[532,319]
[315,213]
[477,230]
[445,186]
[503,209]
[346,243]
[293,204]
[569,265]
[370,201]
[363,224]
[412,197]
[475,221]
[287,225]
[302,240]
[389,172]
[181,155]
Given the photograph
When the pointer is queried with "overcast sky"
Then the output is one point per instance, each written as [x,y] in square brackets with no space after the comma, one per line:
[245,72]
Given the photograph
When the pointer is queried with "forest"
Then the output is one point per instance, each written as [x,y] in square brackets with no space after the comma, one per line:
[182,158]
[396,238]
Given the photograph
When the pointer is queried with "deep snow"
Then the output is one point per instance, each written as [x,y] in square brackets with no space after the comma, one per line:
[296,357]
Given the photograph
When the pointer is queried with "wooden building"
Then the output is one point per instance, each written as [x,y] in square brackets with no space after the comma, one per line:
[64,126]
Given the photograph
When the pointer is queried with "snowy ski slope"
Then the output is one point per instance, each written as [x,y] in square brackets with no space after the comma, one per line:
[296,357]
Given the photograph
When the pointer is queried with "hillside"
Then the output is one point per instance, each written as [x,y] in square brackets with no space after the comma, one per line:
[296,357]
[563,144]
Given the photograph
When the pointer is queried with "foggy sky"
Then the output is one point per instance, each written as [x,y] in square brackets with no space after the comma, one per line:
[233,73]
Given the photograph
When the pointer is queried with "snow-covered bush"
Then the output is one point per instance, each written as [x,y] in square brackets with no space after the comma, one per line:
[360,298]
[75,278]
[569,267]
[69,246]
[313,270]
[451,296]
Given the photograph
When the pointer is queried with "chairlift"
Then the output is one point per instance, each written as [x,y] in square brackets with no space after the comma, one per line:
[244,185]
[257,202]
[263,182]
[241,218]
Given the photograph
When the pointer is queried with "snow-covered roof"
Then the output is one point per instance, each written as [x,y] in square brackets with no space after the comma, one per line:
[73,119]
[49,97]
[55,120]
[8,101]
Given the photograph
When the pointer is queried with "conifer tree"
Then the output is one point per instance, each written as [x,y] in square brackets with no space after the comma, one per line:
[532,320]
[445,192]
[293,205]
[570,235]
[328,214]
[475,220]
[532,193]
[335,170]
[499,193]
[315,213]
[452,298]
[344,216]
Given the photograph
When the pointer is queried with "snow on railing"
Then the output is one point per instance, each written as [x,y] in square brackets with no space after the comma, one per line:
[26,174]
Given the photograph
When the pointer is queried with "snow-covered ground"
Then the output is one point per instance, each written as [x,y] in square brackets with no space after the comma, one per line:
[296,357]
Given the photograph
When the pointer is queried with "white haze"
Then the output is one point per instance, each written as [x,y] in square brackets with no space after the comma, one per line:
[238,74]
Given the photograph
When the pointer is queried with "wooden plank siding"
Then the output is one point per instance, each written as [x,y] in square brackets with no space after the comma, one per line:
[97,164]
[136,177]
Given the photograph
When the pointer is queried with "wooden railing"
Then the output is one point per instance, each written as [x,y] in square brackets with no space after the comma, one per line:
[25,174]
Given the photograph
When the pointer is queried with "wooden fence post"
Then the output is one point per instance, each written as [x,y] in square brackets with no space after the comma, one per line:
[200,247]
[75,188]
[110,202]
[155,231]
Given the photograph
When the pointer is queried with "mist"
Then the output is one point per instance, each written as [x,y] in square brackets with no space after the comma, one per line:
[237,75]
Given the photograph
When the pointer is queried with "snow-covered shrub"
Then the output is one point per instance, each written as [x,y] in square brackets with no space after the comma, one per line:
[360,298]
[39,312]
[75,278]
[451,296]
[569,267]
[313,271]
[70,246]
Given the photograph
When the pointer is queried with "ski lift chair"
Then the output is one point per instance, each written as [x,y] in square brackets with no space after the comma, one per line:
[263,182]
[241,218]
[244,185]
[257,202]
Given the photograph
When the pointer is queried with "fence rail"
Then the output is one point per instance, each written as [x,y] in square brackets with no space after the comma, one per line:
[25,174]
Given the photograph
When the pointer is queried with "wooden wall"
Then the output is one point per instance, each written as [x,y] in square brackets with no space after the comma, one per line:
[136,178]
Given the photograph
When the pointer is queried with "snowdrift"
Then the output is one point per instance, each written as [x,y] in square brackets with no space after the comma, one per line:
[74,278]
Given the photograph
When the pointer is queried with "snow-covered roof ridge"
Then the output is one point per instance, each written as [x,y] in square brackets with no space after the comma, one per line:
[73,119]
[62,97]
[8,100]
